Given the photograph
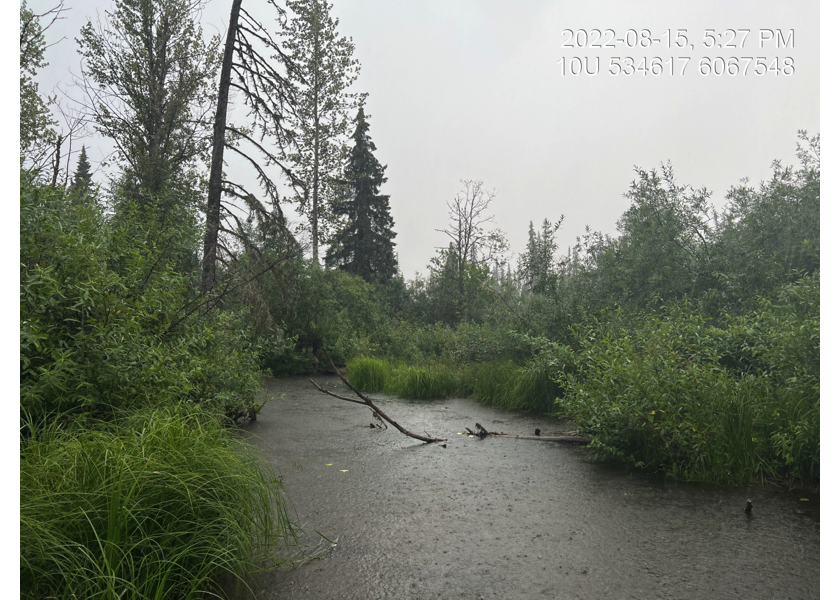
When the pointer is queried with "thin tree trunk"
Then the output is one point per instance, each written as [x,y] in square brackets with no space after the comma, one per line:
[214,196]
[316,170]
[57,162]
[315,182]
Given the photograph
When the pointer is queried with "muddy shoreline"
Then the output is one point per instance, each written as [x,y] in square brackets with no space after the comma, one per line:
[510,519]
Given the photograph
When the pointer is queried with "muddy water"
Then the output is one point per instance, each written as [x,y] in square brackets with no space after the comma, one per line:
[512,519]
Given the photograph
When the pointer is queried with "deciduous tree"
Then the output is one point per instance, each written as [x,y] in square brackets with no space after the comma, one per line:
[148,76]
[327,68]
[37,139]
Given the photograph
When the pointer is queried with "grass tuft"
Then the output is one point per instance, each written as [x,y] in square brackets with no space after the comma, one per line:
[424,381]
[158,505]
[369,374]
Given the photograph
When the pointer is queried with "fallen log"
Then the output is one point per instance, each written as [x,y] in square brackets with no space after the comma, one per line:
[563,439]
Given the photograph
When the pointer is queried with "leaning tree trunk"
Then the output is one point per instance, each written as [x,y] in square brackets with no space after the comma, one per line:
[214,196]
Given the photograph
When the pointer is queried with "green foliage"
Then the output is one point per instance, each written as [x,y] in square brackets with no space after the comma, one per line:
[422,382]
[369,374]
[487,382]
[501,384]
[656,394]
[36,124]
[107,323]
[151,77]
[325,69]
[160,504]
[81,185]
[537,266]
[769,236]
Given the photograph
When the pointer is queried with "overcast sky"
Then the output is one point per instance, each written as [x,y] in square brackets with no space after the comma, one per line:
[476,90]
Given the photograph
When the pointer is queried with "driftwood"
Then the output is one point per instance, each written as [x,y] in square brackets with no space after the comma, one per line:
[377,412]
[482,433]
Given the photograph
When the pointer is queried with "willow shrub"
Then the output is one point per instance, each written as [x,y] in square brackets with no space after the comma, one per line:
[162,504]
[658,395]
[108,321]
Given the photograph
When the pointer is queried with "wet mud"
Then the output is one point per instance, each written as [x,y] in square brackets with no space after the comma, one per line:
[511,519]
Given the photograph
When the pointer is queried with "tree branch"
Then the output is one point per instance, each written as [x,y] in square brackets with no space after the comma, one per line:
[369,403]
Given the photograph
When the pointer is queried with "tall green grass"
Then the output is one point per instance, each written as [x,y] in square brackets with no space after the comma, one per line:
[369,374]
[424,381]
[158,505]
[502,384]
[507,385]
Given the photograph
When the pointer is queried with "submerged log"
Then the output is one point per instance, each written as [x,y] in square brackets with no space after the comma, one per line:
[482,433]
[563,439]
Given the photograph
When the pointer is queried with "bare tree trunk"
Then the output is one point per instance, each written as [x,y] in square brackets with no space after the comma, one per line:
[315,184]
[59,138]
[214,196]
[316,172]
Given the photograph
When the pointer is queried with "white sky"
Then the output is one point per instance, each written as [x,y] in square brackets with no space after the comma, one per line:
[473,90]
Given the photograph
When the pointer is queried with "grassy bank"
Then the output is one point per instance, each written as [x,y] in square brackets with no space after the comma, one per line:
[162,504]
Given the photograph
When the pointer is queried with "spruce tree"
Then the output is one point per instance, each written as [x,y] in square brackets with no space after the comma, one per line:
[364,245]
[82,176]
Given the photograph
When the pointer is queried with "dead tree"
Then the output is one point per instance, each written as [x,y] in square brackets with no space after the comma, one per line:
[254,66]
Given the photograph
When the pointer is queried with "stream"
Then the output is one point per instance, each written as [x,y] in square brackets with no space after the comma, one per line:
[511,519]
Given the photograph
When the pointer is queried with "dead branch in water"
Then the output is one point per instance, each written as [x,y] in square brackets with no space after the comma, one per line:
[482,433]
[366,401]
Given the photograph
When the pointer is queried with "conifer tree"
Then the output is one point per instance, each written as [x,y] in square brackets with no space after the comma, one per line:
[364,245]
[82,176]
[537,267]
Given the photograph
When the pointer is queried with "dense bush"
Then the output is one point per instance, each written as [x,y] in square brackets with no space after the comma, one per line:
[130,486]
[107,323]
[657,394]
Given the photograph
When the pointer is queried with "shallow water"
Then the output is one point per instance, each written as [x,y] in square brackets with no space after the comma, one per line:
[512,519]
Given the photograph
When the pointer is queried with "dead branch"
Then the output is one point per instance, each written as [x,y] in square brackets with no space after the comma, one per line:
[375,409]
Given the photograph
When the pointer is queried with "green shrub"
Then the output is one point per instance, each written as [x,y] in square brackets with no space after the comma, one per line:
[657,395]
[157,505]
[108,322]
